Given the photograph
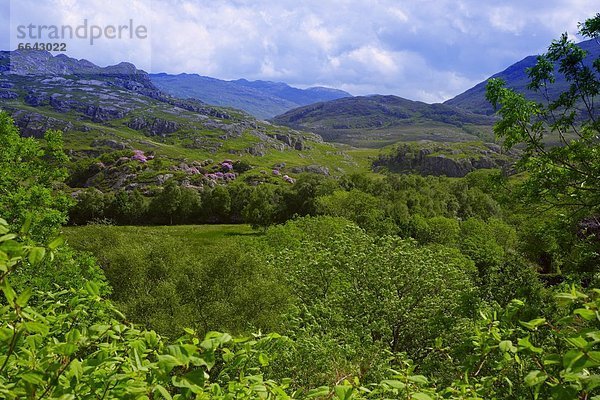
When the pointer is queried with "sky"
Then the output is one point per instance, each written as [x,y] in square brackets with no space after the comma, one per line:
[418,49]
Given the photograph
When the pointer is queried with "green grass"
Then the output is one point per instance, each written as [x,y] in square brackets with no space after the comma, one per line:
[89,237]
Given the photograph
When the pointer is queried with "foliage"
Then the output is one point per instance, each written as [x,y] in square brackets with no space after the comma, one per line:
[263,206]
[31,172]
[74,343]
[367,210]
[170,278]
[370,294]
[564,175]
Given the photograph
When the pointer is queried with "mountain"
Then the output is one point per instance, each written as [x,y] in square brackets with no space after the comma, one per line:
[377,121]
[262,99]
[112,114]
[516,78]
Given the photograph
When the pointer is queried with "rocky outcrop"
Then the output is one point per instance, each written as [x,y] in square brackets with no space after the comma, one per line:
[153,126]
[35,125]
[312,169]
[440,159]
[113,144]
[8,95]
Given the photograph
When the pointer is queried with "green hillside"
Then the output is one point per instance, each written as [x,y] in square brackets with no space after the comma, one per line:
[377,121]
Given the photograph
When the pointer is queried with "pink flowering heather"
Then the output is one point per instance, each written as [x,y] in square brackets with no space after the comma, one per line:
[138,155]
[276,172]
[227,166]
[229,176]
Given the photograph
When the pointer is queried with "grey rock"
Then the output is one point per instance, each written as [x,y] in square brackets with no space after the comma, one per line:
[7,94]
[153,126]
[113,144]
[161,179]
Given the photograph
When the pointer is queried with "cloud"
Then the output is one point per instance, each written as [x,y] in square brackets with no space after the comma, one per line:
[425,50]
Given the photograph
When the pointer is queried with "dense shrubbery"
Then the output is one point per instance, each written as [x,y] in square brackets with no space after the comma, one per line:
[408,287]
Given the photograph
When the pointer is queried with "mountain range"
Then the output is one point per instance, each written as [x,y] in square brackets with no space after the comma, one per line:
[378,121]
[262,99]
[516,78]
[106,112]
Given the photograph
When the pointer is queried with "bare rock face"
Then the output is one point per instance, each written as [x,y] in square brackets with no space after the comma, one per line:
[35,125]
[313,169]
[8,95]
[113,144]
[439,159]
[153,126]
[37,99]
[103,114]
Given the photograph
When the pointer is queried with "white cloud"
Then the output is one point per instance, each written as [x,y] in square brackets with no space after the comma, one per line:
[427,50]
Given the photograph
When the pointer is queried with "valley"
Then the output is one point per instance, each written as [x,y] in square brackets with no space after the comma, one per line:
[180,236]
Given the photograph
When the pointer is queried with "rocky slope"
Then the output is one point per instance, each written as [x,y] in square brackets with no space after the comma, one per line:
[262,99]
[118,109]
[457,160]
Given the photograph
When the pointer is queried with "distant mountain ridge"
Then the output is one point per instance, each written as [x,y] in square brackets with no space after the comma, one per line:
[516,78]
[262,99]
[376,121]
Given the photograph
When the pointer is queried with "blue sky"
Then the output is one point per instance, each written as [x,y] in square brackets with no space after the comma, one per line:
[420,49]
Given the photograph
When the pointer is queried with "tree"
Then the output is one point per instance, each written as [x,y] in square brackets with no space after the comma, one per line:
[216,205]
[566,175]
[373,294]
[31,172]
[263,207]
[189,206]
[365,209]
[91,205]
[165,204]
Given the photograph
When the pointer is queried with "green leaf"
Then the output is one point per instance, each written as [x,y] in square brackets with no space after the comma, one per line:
[586,314]
[35,378]
[552,359]
[92,288]
[24,297]
[263,359]
[167,362]
[36,327]
[394,384]
[533,324]
[421,396]
[9,292]
[506,346]
[26,226]
[322,391]
[59,241]
[574,359]
[577,342]
[36,255]
[9,236]
[343,392]
[526,344]
[420,379]
[163,392]
[534,378]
